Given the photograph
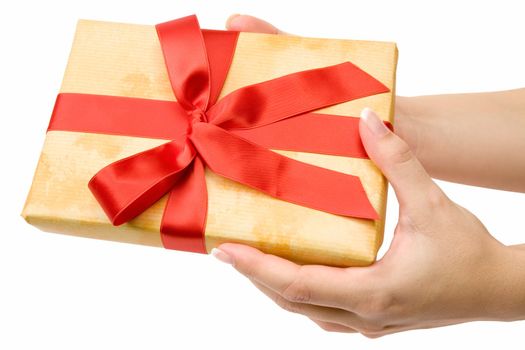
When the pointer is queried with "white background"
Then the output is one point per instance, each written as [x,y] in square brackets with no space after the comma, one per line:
[61,292]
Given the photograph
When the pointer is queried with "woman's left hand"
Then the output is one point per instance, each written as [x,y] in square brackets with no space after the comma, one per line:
[443,266]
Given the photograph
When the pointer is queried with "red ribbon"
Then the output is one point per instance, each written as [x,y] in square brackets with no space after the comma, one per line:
[229,136]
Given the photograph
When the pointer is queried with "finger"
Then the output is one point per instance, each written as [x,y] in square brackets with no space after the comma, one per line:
[245,23]
[333,327]
[344,288]
[321,314]
[412,184]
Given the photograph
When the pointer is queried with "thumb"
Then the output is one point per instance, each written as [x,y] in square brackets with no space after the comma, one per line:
[392,155]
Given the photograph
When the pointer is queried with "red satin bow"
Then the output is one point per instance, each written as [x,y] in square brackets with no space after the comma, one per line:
[228,136]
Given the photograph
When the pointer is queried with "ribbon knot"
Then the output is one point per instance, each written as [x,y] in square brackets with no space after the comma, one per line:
[229,136]
[198,116]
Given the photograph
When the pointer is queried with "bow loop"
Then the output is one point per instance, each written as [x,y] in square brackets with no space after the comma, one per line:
[129,186]
[187,61]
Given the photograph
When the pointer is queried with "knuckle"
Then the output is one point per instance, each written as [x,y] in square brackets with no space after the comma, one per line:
[401,157]
[328,327]
[372,335]
[436,198]
[333,327]
[298,291]
[372,329]
[379,304]
[400,154]
[252,269]
[249,271]
[287,305]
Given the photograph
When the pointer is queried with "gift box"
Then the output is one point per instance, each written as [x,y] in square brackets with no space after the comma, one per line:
[174,136]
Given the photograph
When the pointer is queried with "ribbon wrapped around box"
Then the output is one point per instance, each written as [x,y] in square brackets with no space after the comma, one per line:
[188,138]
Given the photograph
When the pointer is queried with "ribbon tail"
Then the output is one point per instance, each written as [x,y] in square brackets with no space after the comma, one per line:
[307,133]
[184,218]
[129,186]
[293,94]
[281,177]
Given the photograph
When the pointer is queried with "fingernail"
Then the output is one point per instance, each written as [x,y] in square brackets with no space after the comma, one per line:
[230,19]
[373,122]
[221,255]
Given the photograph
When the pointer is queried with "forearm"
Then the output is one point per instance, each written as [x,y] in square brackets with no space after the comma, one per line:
[476,139]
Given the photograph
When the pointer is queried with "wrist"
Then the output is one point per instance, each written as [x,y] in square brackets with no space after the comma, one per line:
[507,285]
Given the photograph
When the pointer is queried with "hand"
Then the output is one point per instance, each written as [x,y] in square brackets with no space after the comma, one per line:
[443,267]
[474,138]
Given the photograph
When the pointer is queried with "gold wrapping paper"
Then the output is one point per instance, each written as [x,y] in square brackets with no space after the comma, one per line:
[126,60]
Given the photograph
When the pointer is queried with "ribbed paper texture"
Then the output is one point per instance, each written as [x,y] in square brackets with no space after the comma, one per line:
[125,60]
